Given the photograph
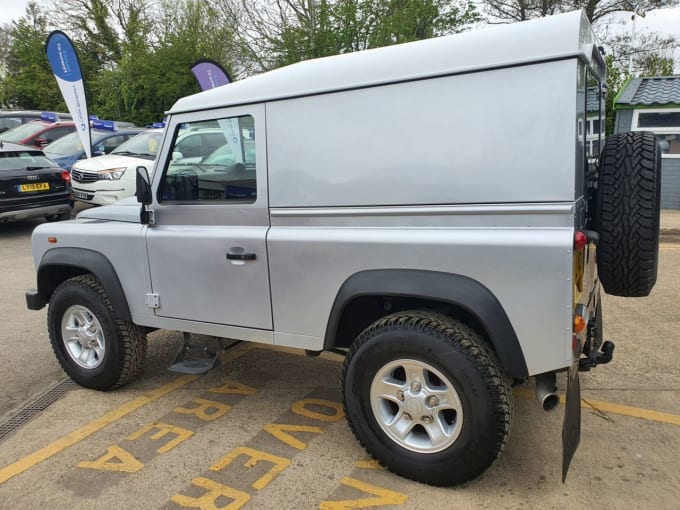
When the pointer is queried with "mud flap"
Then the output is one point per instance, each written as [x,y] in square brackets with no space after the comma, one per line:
[571,428]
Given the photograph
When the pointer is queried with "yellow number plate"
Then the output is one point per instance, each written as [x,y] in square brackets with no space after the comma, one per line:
[34,186]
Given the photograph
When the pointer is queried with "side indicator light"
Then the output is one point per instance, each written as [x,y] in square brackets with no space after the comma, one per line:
[52,240]
[579,324]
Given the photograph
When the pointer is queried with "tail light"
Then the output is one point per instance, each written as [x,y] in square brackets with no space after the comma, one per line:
[66,176]
[580,240]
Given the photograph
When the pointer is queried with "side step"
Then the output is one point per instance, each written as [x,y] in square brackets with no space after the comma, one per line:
[199,354]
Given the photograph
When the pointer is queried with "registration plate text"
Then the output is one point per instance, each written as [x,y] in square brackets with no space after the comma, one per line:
[34,186]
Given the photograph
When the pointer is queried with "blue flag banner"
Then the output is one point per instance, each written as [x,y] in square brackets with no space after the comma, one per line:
[66,69]
[209,74]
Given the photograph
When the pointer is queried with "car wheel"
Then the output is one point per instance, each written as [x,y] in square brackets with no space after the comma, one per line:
[627,213]
[94,347]
[426,397]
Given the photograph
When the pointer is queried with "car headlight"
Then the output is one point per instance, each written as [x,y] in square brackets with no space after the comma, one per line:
[111,174]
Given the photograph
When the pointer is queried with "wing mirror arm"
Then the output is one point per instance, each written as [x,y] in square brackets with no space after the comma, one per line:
[144,195]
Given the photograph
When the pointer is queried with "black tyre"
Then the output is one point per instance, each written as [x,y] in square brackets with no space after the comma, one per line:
[627,213]
[426,397]
[94,347]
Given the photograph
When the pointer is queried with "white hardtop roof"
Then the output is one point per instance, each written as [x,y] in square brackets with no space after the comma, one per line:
[551,38]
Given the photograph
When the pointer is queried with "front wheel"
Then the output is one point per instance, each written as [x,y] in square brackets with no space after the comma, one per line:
[426,397]
[94,347]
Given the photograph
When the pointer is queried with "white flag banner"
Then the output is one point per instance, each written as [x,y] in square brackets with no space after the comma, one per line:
[66,69]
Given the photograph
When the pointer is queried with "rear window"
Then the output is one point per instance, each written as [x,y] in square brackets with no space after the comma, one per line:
[22,160]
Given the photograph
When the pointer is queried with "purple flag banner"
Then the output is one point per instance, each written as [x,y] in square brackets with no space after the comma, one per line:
[66,69]
[209,74]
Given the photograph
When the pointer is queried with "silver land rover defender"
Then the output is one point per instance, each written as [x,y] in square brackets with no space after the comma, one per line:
[428,209]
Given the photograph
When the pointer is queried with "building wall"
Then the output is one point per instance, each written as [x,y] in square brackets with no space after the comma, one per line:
[670,183]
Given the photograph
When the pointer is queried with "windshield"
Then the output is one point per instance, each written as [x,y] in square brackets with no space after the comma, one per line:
[22,160]
[144,145]
[22,132]
[71,144]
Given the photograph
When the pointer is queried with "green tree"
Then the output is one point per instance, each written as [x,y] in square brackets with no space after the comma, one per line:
[154,73]
[505,11]
[292,30]
[32,84]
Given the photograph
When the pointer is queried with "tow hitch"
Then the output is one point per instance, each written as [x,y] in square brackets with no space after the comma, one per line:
[594,358]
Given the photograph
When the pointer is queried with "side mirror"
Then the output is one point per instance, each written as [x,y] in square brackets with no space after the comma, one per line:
[143,188]
[40,142]
[99,153]
[176,156]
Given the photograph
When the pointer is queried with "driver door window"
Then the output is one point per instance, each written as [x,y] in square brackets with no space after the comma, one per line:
[212,164]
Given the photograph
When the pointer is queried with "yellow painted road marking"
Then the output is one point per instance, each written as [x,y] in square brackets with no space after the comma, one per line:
[214,491]
[669,246]
[383,497]
[115,459]
[610,407]
[78,435]
[254,457]
[163,429]
[278,430]
[368,464]
[300,407]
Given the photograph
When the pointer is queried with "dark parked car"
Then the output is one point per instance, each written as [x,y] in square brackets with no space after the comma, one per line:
[9,119]
[32,185]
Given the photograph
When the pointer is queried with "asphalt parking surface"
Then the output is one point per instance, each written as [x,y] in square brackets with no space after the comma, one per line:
[265,429]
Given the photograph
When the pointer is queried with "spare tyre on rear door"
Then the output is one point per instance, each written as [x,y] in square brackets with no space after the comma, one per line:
[627,213]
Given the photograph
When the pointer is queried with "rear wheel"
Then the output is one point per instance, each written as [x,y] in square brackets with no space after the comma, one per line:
[426,397]
[94,347]
[627,213]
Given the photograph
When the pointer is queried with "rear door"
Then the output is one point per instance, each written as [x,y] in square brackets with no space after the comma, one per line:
[207,252]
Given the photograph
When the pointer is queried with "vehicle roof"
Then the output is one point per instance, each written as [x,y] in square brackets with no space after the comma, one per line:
[15,147]
[118,131]
[27,113]
[47,124]
[557,37]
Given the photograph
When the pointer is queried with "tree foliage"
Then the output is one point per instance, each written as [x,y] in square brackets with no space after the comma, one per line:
[288,31]
[595,10]
[26,63]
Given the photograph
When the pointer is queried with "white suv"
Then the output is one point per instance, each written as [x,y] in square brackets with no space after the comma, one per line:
[106,179]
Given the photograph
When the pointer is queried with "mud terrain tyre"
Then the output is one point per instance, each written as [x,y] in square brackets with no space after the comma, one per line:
[627,213]
[94,347]
[426,397]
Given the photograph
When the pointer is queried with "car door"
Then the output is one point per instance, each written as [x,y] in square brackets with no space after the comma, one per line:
[206,248]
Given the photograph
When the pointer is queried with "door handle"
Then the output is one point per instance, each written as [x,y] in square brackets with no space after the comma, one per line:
[232,255]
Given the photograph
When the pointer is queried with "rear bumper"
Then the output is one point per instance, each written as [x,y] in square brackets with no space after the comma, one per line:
[38,211]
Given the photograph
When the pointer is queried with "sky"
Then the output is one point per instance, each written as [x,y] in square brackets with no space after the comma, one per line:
[666,21]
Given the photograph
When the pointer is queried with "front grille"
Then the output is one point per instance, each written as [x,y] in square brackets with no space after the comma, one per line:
[80,176]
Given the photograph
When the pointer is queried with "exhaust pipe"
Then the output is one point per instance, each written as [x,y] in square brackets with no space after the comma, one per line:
[545,391]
